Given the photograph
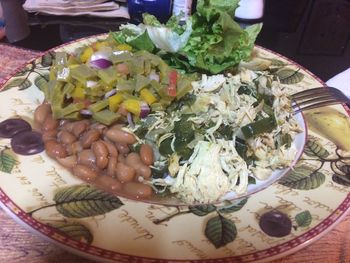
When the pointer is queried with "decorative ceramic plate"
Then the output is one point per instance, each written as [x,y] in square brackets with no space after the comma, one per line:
[272,223]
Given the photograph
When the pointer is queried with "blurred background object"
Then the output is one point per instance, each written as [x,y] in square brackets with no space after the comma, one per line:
[250,9]
[16,21]
[159,8]
[100,8]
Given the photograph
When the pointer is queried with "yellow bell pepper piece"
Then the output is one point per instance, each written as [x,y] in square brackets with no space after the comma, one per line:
[133,106]
[114,101]
[87,53]
[78,92]
[147,96]
[100,44]
[124,47]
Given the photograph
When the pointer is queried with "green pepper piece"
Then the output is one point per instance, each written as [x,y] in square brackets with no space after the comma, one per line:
[165,147]
[98,106]
[241,148]
[73,116]
[183,87]
[68,89]
[268,110]
[82,73]
[261,126]
[60,58]
[286,139]
[108,75]
[71,110]
[157,107]
[247,91]
[126,85]
[106,117]
[121,57]
[141,82]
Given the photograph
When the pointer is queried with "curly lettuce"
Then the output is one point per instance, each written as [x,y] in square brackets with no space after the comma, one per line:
[210,41]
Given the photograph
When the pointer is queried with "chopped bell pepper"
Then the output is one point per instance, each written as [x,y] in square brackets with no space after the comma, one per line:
[86,54]
[147,95]
[114,101]
[133,106]
[261,126]
[172,83]
[124,47]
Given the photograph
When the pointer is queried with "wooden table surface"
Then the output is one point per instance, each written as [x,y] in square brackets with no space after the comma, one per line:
[19,245]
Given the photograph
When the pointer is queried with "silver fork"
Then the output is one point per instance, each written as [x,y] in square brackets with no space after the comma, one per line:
[316,98]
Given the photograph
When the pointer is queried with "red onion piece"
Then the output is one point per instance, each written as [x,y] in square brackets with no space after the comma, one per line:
[100,63]
[145,110]
[86,112]
[130,120]
[110,93]
[153,76]
[105,54]
[91,83]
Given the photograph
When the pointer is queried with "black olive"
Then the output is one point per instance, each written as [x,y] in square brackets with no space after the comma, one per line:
[275,224]
[10,127]
[27,143]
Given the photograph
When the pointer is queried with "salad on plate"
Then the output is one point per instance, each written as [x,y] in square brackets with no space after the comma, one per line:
[173,109]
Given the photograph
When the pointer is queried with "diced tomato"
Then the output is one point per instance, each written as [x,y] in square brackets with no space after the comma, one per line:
[123,69]
[122,110]
[86,102]
[172,83]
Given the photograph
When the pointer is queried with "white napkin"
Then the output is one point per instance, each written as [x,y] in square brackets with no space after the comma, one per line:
[100,8]
[341,81]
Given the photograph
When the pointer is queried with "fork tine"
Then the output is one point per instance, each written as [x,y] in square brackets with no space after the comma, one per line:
[319,105]
[315,91]
[322,98]
[317,97]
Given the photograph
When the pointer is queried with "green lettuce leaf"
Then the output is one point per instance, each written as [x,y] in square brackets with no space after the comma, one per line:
[217,42]
[135,36]
[166,37]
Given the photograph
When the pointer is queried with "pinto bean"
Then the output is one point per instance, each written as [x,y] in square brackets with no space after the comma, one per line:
[49,124]
[66,137]
[112,150]
[87,158]
[112,165]
[68,126]
[144,171]
[49,135]
[41,113]
[55,150]
[101,152]
[122,148]
[98,126]
[74,148]
[68,162]
[108,183]
[120,136]
[146,154]
[89,137]
[138,190]
[85,173]
[134,160]
[79,127]
[121,158]
[124,173]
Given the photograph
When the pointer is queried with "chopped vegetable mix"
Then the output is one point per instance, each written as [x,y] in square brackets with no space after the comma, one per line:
[110,76]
